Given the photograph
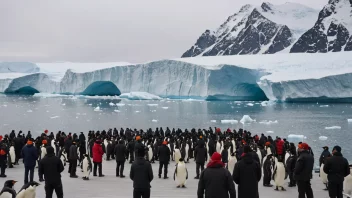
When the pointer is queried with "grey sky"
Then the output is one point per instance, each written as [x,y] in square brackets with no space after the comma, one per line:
[110,30]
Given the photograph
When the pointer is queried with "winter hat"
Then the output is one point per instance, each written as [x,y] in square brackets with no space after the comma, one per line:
[49,150]
[200,137]
[164,142]
[216,156]
[337,148]
[44,142]
[29,142]
[325,147]
[138,138]
[267,144]
[218,130]
[303,146]
[247,149]
[46,131]
[1,137]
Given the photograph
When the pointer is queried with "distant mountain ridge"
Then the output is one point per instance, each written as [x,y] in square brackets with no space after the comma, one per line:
[271,29]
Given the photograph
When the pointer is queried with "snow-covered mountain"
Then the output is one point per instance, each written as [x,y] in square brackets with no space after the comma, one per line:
[332,32]
[266,29]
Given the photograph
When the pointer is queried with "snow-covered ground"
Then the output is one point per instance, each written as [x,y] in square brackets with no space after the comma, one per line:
[111,186]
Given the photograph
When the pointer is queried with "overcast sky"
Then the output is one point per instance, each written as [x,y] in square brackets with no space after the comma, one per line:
[110,30]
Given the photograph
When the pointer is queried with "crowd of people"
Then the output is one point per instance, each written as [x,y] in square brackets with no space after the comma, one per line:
[231,156]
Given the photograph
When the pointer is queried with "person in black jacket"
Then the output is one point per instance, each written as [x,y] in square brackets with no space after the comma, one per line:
[141,174]
[51,167]
[164,159]
[324,155]
[73,157]
[3,159]
[247,174]
[215,180]
[30,156]
[267,166]
[337,169]
[200,156]
[120,156]
[131,150]
[291,165]
[303,171]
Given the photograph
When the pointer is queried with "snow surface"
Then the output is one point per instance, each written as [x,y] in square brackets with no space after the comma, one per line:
[341,15]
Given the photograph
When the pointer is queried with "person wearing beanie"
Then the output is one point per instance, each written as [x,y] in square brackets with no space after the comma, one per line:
[141,174]
[4,154]
[30,156]
[164,159]
[247,174]
[73,158]
[337,168]
[200,156]
[215,180]
[303,171]
[324,155]
[51,168]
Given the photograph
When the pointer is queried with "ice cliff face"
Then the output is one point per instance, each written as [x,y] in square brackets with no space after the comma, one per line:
[267,29]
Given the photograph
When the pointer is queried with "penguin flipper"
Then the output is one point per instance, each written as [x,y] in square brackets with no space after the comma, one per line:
[175,172]
[186,173]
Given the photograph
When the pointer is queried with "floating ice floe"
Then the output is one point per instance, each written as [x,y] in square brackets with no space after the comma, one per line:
[165,107]
[97,109]
[323,138]
[349,120]
[296,138]
[266,103]
[250,104]
[268,122]
[229,121]
[120,104]
[137,111]
[246,119]
[140,96]
[154,120]
[117,111]
[90,104]
[111,104]
[4,105]
[324,106]
[29,111]
[270,132]
[152,105]
[332,127]
[153,111]
[54,117]
[214,121]
[63,104]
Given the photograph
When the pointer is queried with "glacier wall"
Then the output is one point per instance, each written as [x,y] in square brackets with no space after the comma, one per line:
[337,88]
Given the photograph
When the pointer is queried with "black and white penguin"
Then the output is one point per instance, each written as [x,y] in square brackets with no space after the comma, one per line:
[323,176]
[12,154]
[347,184]
[28,190]
[86,167]
[180,174]
[8,191]
[232,162]
[279,175]
[150,153]
[63,156]
[177,155]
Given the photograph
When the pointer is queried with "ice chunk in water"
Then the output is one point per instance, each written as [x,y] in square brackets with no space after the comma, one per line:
[246,119]
[154,120]
[229,121]
[296,138]
[270,131]
[138,111]
[117,111]
[29,111]
[332,127]
[268,122]
[90,104]
[140,96]
[97,108]
[152,105]
[349,120]
[323,138]
[120,104]
[165,107]
[54,117]
[214,121]
[266,103]
[324,105]
[250,104]
[63,104]
[111,104]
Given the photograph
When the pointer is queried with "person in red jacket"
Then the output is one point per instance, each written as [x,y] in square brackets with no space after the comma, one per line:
[98,158]
[280,151]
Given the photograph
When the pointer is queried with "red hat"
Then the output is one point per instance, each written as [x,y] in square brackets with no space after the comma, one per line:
[1,137]
[267,144]
[164,142]
[304,146]
[29,142]
[44,142]
[216,156]
[229,130]
[46,131]
[218,130]
[138,138]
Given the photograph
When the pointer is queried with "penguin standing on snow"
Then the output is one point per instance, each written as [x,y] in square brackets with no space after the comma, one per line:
[323,176]
[232,162]
[86,167]
[12,156]
[8,191]
[347,184]
[177,154]
[279,175]
[150,154]
[28,190]
[63,156]
[181,174]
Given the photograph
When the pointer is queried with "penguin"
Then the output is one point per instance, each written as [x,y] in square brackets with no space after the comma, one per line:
[260,156]
[106,148]
[8,191]
[279,175]
[63,157]
[180,174]
[218,147]
[347,184]
[323,176]
[12,154]
[53,145]
[177,156]
[28,190]
[232,163]
[287,155]
[43,152]
[150,153]
[186,156]
[86,166]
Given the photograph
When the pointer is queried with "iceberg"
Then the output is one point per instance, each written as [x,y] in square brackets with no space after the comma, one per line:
[112,104]
[97,109]
[246,119]
[332,127]
[323,138]
[229,121]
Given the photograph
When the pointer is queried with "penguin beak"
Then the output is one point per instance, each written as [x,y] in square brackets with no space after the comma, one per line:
[13,182]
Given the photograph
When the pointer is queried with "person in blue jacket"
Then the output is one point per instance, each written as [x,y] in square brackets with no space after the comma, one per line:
[30,156]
